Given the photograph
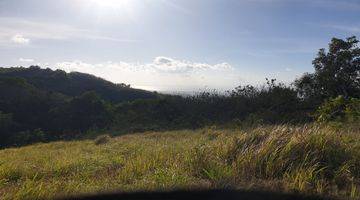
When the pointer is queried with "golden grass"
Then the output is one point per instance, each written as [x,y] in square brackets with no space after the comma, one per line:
[311,160]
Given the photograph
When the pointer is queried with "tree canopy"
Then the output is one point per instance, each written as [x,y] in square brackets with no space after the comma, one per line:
[337,72]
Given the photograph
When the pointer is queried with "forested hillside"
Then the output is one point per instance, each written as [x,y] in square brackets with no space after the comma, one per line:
[41,104]
[75,83]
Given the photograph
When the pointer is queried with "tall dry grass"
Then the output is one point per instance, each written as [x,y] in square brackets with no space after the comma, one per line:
[308,159]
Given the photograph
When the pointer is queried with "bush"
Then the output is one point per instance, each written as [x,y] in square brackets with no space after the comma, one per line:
[29,137]
[352,110]
[102,139]
[339,109]
[5,121]
[6,126]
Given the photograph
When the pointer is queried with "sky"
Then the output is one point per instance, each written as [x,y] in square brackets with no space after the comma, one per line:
[174,45]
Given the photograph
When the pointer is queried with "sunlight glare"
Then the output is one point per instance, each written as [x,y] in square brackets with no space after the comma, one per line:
[112,4]
[110,10]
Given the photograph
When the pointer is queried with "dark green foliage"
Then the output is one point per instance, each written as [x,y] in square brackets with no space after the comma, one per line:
[82,113]
[6,126]
[337,72]
[273,103]
[5,122]
[62,105]
[66,117]
[28,105]
[336,82]
[28,137]
[352,110]
[339,109]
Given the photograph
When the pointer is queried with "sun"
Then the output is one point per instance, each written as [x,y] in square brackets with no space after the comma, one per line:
[111,4]
[112,10]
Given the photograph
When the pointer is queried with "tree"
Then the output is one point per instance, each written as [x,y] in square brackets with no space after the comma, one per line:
[337,72]
[6,122]
[81,113]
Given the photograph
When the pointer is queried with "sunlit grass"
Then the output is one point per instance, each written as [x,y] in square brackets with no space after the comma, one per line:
[311,160]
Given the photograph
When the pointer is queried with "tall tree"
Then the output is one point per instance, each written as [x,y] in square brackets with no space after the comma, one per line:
[337,71]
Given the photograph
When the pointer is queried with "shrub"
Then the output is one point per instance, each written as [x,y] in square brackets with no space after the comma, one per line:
[352,110]
[29,137]
[6,121]
[339,109]
[102,139]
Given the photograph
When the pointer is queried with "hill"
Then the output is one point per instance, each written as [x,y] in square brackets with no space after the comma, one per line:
[309,159]
[41,104]
[75,83]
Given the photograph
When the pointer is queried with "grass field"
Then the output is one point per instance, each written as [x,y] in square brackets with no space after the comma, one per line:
[307,159]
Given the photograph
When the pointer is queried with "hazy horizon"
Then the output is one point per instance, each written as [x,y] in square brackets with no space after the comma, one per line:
[169,45]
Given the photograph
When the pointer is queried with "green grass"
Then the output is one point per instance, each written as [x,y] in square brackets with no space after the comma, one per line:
[307,159]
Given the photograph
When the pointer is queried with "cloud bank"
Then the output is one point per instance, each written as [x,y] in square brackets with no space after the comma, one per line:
[162,74]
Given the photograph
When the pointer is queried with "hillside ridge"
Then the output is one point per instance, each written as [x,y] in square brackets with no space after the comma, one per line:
[75,83]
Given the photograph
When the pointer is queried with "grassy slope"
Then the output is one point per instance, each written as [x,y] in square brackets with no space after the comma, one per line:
[282,158]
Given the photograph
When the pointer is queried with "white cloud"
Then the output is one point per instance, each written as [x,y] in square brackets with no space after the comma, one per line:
[20,39]
[169,65]
[162,74]
[288,69]
[26,60]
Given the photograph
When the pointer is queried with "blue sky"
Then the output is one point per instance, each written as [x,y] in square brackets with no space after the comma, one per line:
[174,44]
